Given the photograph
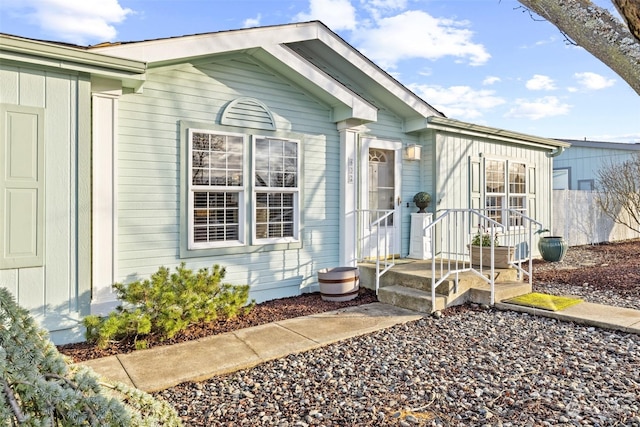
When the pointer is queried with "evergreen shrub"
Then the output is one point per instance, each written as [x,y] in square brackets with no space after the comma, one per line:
[40,387]
[166,304]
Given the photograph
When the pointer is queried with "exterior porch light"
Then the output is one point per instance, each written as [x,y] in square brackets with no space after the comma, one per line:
[412,152]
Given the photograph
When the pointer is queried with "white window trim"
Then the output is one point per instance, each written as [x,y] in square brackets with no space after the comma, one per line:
[191,189]
[507,194]
[295,191]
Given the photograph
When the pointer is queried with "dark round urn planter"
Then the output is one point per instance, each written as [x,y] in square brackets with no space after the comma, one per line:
[339,284]
[552,248]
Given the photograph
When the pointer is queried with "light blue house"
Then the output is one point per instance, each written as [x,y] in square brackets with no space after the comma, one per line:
[259,149]
[577,167]
[575,175]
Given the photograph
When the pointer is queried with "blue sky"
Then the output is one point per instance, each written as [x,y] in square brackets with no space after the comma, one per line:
[481,61]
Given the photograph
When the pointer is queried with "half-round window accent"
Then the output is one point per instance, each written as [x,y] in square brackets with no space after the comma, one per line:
[377,156]
[249,113]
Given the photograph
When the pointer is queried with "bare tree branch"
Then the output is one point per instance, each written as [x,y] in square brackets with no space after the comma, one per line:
[619,192]
[597,31]
[13,402]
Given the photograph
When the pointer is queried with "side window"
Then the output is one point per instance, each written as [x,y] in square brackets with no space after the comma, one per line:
[495,191]
[216,189]
[585,184]
[505,188]
[276,190]
[517,191]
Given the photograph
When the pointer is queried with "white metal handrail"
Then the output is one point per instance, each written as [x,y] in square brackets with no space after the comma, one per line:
[452,233]
[379,232]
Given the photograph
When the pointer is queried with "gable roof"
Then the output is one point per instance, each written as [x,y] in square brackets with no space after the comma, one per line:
[308,53]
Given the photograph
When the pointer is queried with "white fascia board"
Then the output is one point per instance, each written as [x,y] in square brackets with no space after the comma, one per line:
[65,56]
[194,46]
[360,109]
[76,60]
[496,134]
[369,68]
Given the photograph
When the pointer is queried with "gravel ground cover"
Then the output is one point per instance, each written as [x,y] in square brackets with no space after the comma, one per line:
[470,367]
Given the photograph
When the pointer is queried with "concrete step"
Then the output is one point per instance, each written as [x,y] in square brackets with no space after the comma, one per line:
[399,277]
[482,294]
[417,275]
[410,298]
[420,300]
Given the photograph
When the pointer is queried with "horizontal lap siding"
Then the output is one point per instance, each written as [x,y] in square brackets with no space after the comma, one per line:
[149,199]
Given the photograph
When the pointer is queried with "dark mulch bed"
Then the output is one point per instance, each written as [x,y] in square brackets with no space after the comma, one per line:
[606,266]
[266,312]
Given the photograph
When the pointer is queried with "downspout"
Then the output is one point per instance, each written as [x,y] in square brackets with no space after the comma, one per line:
[550,155]
[555,153]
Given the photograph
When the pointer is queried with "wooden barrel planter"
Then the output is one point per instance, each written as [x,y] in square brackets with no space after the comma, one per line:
[339,284]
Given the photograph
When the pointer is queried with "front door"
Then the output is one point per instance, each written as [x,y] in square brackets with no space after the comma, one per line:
[380,196]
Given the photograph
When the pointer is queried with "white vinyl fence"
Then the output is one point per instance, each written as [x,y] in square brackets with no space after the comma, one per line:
[578,219]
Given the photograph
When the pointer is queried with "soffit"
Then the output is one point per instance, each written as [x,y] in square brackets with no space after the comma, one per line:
[351,69]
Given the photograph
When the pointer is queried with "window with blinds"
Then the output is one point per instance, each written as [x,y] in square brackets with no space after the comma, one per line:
[218,163]
[216,189]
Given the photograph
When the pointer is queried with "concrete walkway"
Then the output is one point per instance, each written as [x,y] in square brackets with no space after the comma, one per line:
[163,367]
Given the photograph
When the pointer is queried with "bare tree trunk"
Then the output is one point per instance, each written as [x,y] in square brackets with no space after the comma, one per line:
[597,31]
[630,11]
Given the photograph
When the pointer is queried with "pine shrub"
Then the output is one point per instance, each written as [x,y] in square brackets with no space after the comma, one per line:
[166,304]
[39,387]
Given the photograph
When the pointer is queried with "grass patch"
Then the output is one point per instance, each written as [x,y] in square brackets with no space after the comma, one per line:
[544,301]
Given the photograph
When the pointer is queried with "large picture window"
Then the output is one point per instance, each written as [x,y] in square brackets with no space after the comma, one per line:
[276,189]
[506,188]
[224,203]
[216,189]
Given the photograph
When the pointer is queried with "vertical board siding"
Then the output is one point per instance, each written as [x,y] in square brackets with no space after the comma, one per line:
[51,292]
[453,153]
[150,202]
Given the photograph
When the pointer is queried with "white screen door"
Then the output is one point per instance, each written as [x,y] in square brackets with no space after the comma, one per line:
[381,194]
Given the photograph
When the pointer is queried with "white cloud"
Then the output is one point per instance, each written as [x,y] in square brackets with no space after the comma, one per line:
[336,14]
[540,82]
[416,34]
[75,21]
[252,22]
[386,4]
[593,81]
[540,108]
[489,80]
[461,102]
[378,7]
